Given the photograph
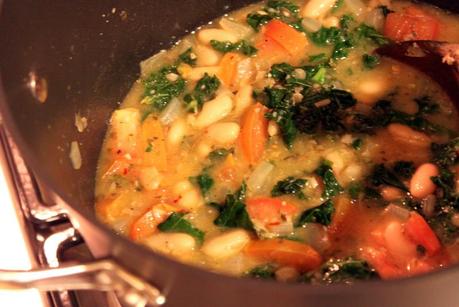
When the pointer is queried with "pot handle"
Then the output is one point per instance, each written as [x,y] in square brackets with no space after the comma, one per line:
[102,275]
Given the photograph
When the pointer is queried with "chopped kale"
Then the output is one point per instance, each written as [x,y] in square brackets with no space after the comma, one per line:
[404,169]
[149,147]
[426,105]
[256,20]
[276,9]
[332,186]
[446,183]
[338,4]
[188,57]
[204,90]
[177,223]
[385,10]
[162,86]
[317,58]
[264,271]
[219,154]
[365,31]
[204,181]
[370,61]
[371,193]
[357,144]
[233,212]
[445,154]
[290,185]
[321,214]
[382,175]
[345,270]
[242,46]
[354,189]
[345,21]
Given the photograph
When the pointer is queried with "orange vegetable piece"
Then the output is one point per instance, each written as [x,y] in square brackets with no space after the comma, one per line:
[293,41]
[153,144]
[269,211]
[228,69]
[254,133]
[270,51]
[411,24]
[419,232]
[285,252]
[148,222]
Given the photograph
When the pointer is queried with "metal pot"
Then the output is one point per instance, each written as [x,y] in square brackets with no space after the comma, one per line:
[83,56]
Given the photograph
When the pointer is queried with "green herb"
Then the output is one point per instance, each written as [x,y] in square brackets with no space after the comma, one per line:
[316,58]
[338,4]
[233,212]
[188,57]
[275,9]
[385,10]
[354,189]
[321,214]
[445,154]
[345,21]
[371,193]
[289,185]
[177,223]
[370,61]
[149,147]
[162,86]
[319,76]
[203,91]
[404,169]
[357,144]
[370,33]
[242,46]
[343,271]
[332,187]
[204,181]
[265,271]
[382,175]
[426,105]
[219,153]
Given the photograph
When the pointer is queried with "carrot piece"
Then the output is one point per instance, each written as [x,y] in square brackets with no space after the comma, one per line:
[420,233]
[228,69]
[269,211]
[285,252]
[270,51]
[382,263]
[293,41]
[153,144]
[254,132]
[411,24]
[147,223]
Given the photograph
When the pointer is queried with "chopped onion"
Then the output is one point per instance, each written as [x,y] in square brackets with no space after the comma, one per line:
[236,28]
[315,235]
[81,122]
[397,211]
[171,112]
[75,155]
[310,24]
[375,19]
[355,6]
[258,177]
[283,229]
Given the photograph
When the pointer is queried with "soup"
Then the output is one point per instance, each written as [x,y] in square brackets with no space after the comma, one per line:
[276,143]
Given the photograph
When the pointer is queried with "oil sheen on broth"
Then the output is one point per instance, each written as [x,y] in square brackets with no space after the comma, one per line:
[274,143]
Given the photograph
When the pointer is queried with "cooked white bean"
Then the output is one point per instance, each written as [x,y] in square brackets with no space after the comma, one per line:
[372,88]
[238,29]
[176,244]
[149,177]
[316,8]
[126,126]
[206,56]
[191,199]
[223,133]
[206,35]
[273,128]
[353,172]
[243,99]
[227,244]
[287,274]
[421,184]
[397,242]
[182,186]
[331,22]
[407,135]
[176,132]
[214,110]
[336,158]
[203,149]
[194,74]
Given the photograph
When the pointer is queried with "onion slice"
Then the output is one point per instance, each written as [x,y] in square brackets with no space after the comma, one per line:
[258,177]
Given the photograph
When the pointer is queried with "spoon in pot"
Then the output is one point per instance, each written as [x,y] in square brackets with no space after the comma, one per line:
[439,60]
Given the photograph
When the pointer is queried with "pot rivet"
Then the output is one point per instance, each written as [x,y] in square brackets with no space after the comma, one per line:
[38,87]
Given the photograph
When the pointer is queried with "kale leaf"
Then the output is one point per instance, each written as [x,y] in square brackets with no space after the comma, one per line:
[264,271]
[445,154]
[382,175]
[370,61]
[242,46]
[219,153]
[289,185]
[321,214]
[188,57]
[162,86]
[177,223]
[332,186]
[203,91]
[365,31]
[404,169]
[426,105]
[204,181]
[385,10]
[233,212]
[276,9]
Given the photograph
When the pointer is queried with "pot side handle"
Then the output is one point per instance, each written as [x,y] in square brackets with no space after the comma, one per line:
[102,275]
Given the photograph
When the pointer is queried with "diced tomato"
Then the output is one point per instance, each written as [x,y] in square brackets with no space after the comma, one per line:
[152,144]
[147,223]
[270,211]
[254,133]
[270,51]
[293,41]
[411,24]
[420,233]
[285,252]
[228,69]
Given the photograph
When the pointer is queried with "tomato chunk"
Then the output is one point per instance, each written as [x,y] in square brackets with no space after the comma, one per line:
[293,41]
[420,233]
[254,133]
[285,252]
[228,68]
[270,211]
[147,223]
[411,24]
